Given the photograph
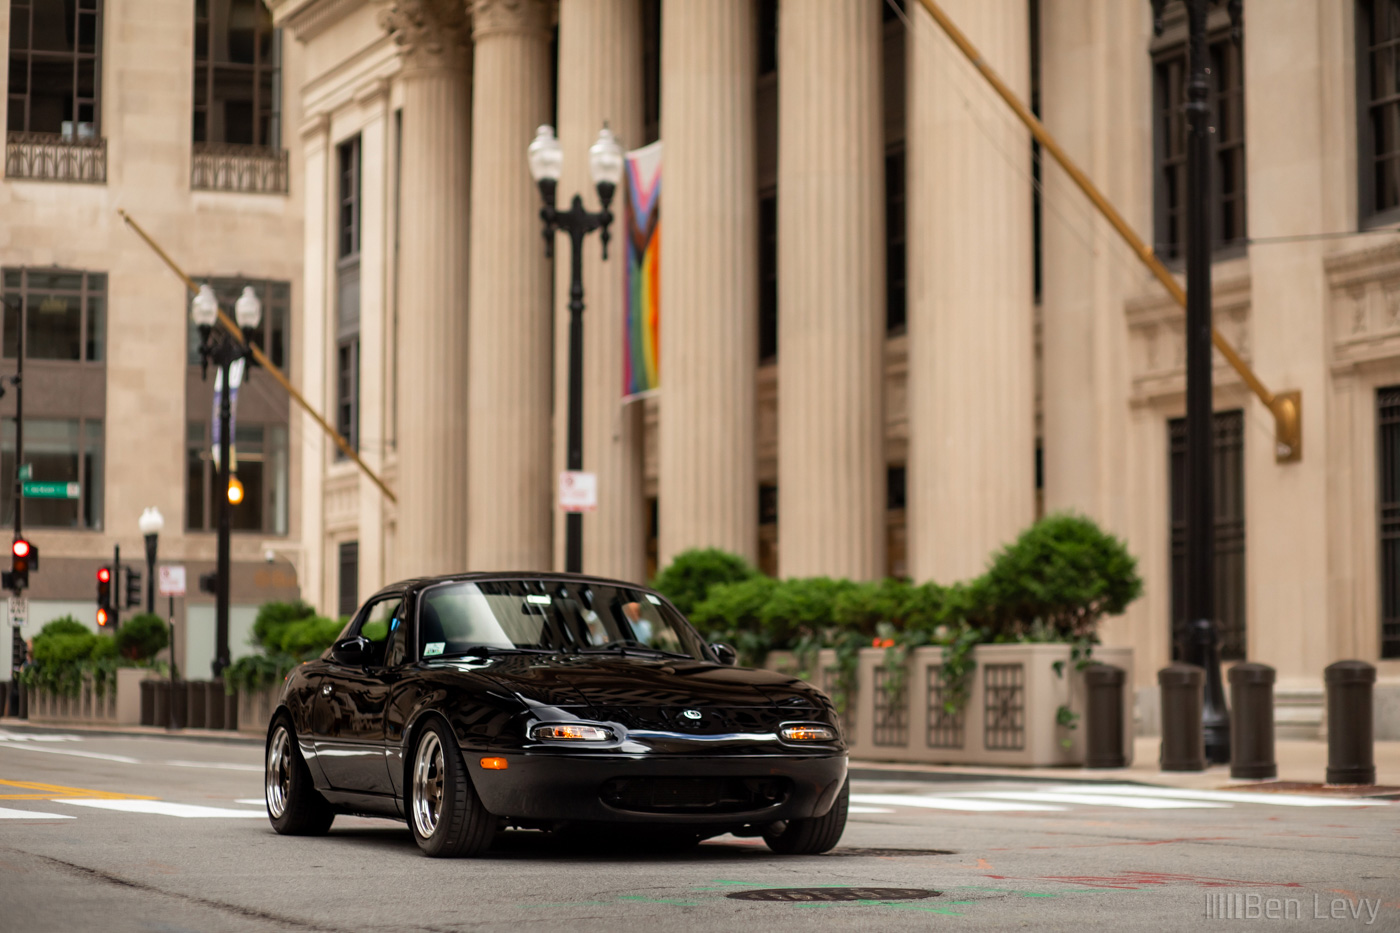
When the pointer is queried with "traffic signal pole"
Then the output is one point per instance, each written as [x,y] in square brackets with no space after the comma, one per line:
[221,649]
[18,650]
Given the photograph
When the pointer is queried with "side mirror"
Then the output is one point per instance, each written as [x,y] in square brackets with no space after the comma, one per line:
[350,652]
[725,654]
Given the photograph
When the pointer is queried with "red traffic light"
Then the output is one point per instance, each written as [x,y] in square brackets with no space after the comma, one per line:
[21,547]
[104,575]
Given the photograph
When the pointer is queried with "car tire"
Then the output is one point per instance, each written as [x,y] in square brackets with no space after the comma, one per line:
[294,806]
[444,811]
[811,836]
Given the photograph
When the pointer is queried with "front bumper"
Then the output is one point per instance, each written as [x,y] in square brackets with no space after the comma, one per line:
[549,784]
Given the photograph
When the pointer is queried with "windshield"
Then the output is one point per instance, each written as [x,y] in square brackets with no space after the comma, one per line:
[550,615]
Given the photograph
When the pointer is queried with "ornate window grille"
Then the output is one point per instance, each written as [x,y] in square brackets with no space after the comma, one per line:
[1005,726]
[891,710]
[54,157]
[945,730]
[1388,515]
[830,677]
[231,167]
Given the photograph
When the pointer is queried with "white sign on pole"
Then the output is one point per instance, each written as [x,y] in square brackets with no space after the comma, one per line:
[578,491]
[172,580]
[19,610]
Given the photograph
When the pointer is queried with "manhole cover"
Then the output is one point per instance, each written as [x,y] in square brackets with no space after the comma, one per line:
[799,895]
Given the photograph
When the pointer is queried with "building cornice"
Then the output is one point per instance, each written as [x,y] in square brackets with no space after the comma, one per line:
[307,19]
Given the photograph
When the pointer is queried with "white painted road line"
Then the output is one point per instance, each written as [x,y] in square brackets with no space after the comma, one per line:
[220,765]
[120,759]
[7,736]
[848,810]
[1229,796]
[1103,800]
[163,808]
[968,804]
[8,814]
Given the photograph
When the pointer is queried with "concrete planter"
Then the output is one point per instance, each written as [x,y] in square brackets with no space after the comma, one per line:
[88,706]
[255,709]
[1009,717]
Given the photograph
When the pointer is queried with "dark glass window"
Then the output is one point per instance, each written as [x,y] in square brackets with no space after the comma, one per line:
[896,251]
[273,334]
[1378,98]
[58,451]
[1388,515]
[1228,201]
[767,278]
[767,504]
[237,74]
[1228,492]
[767,36]
[347,393]
[896,495]
[260,461]
[55,67]
[348,600]
[651,70]
[64,314]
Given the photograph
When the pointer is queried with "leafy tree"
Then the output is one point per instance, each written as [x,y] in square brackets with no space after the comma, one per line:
[273,619]
[141,637]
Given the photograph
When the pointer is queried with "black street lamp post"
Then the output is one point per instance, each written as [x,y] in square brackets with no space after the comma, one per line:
[151,523]
[1201,642]
[605,165]
[224,350]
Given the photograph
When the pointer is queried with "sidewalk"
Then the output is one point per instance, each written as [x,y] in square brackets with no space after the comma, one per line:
[1298,760]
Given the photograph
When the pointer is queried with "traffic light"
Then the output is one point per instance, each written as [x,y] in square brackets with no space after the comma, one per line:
[235,490]
[104,596]
[23,557]
[133,587]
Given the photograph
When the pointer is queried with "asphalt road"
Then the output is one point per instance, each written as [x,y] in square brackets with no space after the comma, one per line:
[118,833]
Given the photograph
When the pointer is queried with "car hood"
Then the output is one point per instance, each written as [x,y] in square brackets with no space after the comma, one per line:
[610,681]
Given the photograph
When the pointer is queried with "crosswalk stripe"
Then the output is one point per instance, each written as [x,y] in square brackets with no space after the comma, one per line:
[165,808]
[1104,800]
[1231,796]
[8,814]
[968,804]
[868,810]
[120,759]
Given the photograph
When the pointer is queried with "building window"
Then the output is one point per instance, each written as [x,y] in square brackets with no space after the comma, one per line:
[347,393]
[274,331]
[1388,516]
[768,278]
[348,600]
[1227,200]
[1228,472]
[260,461]
[54,107]
[65,451]
[651,71]
[1378,99]
[767,33]
[64,314]
[896,252]
[896,495]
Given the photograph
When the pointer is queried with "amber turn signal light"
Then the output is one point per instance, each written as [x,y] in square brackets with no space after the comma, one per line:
[494,764]
[808,733]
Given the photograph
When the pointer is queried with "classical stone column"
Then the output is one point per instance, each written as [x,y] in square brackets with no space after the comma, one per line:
[432,430]
[831,291]
[707,475]
[971,392]
[509,486]
[600,52]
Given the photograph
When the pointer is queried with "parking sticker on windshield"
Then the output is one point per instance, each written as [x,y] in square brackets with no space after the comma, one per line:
[537,599]
[433,647]
[654,600]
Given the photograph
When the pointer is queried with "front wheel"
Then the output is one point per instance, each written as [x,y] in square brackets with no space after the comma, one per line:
[294,805]
[446,815]
[811,836]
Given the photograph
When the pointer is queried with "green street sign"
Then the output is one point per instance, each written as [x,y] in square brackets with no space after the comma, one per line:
[49,490]
[26,471]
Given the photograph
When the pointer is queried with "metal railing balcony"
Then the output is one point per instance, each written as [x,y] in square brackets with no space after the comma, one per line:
[56,157]
[231,167]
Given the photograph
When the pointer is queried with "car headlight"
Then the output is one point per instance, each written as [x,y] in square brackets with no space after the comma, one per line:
[807,732]
[571,732]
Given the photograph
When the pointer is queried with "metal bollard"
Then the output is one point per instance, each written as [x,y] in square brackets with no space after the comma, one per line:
[231,711]
[1183,736]
[214,704]
[160,703]
[1350,755]
[194,704]
[1103,741]
[178,696]
[148,702]
[1252,729]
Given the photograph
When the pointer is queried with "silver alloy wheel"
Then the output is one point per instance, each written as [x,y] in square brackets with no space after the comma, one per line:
[279,772]
[427,785]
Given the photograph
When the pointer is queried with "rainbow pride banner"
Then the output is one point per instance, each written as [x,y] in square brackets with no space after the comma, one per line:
[642,337]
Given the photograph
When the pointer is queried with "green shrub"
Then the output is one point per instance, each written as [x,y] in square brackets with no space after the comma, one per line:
[141,637]
[733,613]
[310,637]
[864,607]
[64,648]
[801,609]
[105,649]
[269,628]
[63,625]
[1063,573]
[686,581]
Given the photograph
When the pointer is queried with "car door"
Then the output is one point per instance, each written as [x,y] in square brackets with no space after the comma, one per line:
[351,704]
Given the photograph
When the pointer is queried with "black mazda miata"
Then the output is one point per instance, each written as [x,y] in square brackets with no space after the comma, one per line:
[470,703]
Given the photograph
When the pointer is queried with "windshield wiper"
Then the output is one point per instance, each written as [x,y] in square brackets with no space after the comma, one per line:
[623,649]
[486,651]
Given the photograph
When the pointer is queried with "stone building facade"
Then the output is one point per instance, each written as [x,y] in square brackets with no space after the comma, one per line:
[172,111]
[890,337]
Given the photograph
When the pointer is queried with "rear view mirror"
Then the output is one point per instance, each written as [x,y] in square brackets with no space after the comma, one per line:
[351,651]
[725,654]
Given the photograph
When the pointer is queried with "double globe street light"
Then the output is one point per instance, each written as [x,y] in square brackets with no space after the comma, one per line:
[605,163]
[220,345]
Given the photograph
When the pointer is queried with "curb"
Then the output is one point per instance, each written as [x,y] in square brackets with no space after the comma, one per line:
[221,736]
